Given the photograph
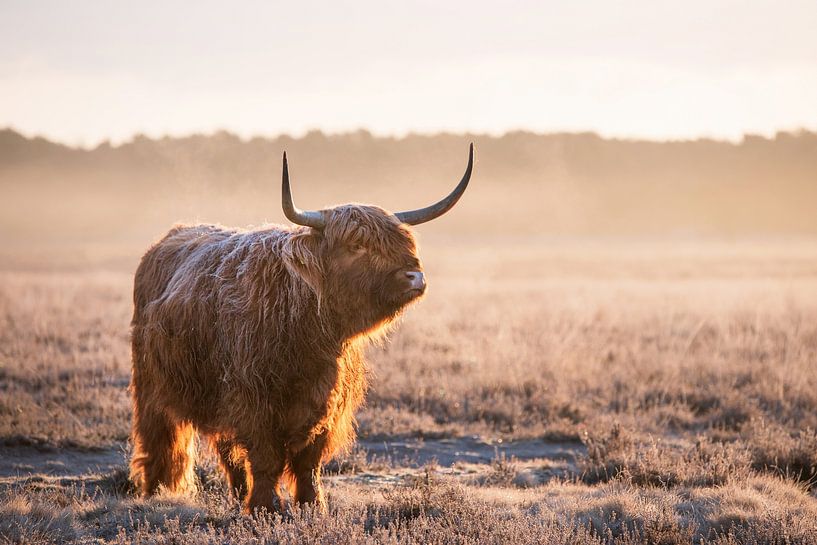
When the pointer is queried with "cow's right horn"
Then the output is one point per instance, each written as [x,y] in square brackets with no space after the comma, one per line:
[422,215]
[292,212]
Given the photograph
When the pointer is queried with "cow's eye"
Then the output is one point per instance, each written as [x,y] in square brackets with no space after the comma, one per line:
[354,248]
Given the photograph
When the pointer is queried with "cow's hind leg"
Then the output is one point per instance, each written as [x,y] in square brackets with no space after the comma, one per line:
[164,453]
[306,471]
[232,459]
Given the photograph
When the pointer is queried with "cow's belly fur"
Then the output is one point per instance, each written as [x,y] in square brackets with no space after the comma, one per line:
[291,410]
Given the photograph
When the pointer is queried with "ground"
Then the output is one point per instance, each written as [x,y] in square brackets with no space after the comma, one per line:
[545,391]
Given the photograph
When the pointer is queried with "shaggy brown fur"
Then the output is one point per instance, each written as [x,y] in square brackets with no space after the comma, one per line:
[255,339]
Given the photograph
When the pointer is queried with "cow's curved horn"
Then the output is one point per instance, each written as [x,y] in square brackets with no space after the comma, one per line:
[292,212]
[422,215]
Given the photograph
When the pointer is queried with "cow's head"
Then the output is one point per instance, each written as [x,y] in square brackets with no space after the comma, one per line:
[360,260]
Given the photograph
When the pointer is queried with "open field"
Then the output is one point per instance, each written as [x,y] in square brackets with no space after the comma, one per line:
[570,391]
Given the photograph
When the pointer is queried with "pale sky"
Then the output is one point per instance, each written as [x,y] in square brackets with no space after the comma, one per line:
[85,71]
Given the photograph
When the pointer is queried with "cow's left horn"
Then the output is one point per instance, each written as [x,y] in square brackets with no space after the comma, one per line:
[292,212]
[422,215]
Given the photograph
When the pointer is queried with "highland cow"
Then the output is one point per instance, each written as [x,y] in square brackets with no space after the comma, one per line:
[255,339]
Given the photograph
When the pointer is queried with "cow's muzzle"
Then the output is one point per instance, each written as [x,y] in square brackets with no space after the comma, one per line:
[416,280]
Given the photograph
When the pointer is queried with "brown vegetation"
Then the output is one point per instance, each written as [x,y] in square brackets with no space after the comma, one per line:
[685,372]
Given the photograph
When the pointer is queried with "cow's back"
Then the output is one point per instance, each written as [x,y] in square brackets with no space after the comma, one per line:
[166,258]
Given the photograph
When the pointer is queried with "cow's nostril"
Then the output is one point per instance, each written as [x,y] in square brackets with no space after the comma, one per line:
[416,279]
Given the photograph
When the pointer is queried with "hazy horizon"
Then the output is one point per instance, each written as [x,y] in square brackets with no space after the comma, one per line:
[83,74]
[563,184]
[216,131]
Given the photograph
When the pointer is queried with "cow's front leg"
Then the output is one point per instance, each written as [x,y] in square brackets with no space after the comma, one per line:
[266,464]
[306,468]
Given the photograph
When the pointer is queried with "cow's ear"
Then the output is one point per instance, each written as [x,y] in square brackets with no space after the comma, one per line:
[302,257]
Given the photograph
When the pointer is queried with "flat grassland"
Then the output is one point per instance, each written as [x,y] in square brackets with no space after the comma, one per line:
[545,391]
